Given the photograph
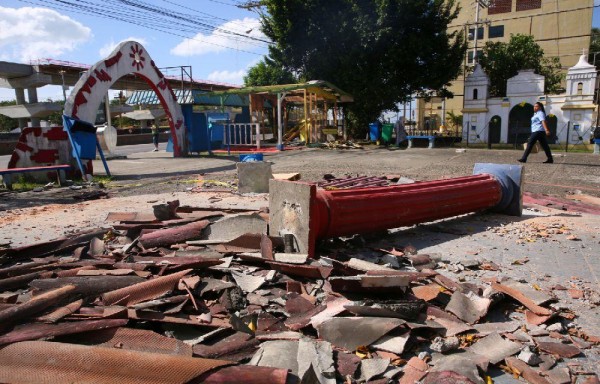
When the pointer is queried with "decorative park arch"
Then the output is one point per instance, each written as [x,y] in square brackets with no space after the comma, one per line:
[129,57]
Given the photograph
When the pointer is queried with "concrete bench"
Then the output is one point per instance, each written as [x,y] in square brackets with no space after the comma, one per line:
[430,138]
[59,169]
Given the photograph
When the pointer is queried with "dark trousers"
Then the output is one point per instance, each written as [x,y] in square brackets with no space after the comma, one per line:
[155,139]
[541,137]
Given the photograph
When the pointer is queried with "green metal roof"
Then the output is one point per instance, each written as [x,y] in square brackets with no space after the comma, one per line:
[315,86]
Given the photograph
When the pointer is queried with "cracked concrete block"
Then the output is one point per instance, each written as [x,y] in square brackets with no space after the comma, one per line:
[254,177]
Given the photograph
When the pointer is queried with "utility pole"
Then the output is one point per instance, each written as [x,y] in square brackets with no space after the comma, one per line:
[478,4]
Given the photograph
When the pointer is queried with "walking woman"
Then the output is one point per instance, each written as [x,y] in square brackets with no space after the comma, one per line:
[539,131]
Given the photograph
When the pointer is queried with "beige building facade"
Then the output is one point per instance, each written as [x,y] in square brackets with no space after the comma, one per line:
[561,28]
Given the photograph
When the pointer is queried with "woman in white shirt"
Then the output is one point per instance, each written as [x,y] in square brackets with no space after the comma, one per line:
[539,131]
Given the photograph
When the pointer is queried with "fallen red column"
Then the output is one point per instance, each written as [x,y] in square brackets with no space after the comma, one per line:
[311,214]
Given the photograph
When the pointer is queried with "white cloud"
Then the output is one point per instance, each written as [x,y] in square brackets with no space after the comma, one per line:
[107,48]
[596,3]
[219,41]
[31,33]
[231,77]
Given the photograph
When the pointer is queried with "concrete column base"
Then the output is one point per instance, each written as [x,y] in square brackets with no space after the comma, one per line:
[253,177]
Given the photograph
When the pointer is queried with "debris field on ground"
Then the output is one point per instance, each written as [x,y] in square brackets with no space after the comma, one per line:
[198,294]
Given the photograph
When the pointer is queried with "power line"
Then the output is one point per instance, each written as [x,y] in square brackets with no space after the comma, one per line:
[149,20]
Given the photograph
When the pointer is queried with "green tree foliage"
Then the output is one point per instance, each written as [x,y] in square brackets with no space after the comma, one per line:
[267,72]
[502,61]
[380,51]
[454,120]
[6,123]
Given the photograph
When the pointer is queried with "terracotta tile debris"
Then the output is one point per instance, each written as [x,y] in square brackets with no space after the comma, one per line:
[188,294]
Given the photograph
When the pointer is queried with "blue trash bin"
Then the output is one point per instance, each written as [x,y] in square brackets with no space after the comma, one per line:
[248,158]
[374,131]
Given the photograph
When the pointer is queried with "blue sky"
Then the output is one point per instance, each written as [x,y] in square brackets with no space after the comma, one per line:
[40,29]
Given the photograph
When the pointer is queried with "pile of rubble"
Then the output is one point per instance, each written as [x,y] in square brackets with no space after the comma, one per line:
[190,294]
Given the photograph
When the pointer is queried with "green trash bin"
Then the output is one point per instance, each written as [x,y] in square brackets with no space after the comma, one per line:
[386,133]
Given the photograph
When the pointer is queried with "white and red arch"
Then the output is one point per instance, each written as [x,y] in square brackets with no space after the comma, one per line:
[129,57]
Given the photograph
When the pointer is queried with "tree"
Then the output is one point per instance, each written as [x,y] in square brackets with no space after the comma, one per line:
[594,45]
[380,51]
[6,123]
[267,72]
[502,61]
[454,120]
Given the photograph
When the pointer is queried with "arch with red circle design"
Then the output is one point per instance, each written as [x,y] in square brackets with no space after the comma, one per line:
[129,57]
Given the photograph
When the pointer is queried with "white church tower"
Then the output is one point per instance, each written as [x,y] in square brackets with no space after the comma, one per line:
[477,86]
[579,106]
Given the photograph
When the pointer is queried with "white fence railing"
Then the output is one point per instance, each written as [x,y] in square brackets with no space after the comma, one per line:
[241,134]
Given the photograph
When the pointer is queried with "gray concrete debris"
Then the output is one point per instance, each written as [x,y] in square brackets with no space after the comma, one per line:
[392,343]
[234,226]
[371,368]
[485,329]
[424,356]
[247,283]
[442,345]
[529,357]
[461,364]
[469,308]
[405,180]
[351,332]
[366,266]
[277,354]
[556,327]
[291,258]
[319,355]
[284,335]
[253,177]
[495,348]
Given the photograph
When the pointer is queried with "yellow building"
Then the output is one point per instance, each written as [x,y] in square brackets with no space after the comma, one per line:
[561,27]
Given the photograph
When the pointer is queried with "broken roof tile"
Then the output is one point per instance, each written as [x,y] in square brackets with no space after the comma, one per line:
[469,308]
[351,332]
[495,348]
[520,297]
[150,289]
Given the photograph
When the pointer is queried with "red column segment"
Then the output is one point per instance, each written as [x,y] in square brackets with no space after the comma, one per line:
[347,212]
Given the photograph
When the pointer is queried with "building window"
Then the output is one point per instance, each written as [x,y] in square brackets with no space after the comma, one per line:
[580,89]
[496,31]
[479,33]
[524,5]
[500,6]
[475,94]
[470,56]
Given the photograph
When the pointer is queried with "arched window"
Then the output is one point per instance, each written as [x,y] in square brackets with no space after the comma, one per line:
[475,94]
[580,88]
